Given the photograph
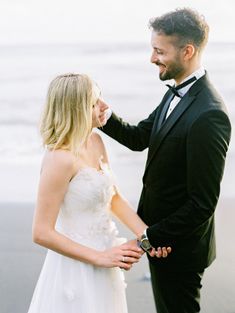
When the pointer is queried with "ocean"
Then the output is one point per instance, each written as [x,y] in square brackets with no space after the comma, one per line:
[129,84]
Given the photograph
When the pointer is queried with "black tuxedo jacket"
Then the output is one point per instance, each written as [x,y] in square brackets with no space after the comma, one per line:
[184,168]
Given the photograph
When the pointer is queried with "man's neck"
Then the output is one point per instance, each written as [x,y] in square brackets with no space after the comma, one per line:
[187,73]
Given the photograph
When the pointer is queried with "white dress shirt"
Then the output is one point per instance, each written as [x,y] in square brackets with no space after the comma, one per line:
[198,74]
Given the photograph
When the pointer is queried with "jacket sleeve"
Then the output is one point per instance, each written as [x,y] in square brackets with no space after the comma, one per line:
[134,137]
[206,147]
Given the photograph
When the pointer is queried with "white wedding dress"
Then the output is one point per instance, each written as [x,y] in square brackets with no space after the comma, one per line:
[66,285]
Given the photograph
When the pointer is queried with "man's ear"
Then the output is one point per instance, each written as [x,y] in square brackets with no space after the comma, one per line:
[188,52]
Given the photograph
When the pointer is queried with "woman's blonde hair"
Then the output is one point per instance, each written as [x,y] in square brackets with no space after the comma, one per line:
[67,117]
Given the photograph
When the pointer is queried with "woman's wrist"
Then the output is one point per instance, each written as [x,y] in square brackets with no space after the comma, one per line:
[90,256]
[141,232]
[96,258]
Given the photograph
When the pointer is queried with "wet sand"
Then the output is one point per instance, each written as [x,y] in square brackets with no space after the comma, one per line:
[21,261]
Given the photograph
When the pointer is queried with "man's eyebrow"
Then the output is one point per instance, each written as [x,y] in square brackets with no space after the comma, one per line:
[157,48]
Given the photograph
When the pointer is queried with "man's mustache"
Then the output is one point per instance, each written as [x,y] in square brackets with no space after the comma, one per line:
[158,63]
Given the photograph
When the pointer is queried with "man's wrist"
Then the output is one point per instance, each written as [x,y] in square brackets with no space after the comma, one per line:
[144,242]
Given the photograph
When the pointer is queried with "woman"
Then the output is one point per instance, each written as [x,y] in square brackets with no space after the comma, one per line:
[76,193]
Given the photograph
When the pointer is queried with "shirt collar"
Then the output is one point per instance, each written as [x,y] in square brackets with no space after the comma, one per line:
[198,74]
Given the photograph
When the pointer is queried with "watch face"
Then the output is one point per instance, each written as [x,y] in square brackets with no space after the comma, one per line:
[145,244]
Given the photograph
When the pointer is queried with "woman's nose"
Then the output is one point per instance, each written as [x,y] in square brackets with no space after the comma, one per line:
[103,106]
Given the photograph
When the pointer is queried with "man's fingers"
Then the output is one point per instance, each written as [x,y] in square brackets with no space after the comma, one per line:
[152,253]
[135,252]
[159,252]
[163,252]
[169,249]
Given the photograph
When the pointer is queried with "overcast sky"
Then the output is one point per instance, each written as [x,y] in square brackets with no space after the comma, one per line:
[30,21]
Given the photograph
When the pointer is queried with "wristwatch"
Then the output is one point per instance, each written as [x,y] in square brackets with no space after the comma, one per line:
[144,243]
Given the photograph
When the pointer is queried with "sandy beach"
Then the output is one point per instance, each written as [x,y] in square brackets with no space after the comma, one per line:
[21,261]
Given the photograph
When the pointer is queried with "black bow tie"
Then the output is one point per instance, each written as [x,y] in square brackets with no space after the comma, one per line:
[175,89]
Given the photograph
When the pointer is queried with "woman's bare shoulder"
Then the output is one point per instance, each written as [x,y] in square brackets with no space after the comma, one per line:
[59,160]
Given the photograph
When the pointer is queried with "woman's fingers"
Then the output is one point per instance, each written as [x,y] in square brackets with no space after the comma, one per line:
[125,266]
[131,253]
[128,259]
[131,246]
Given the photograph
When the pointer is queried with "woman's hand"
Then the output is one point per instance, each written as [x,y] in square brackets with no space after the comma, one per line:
[123,256]
[160,252]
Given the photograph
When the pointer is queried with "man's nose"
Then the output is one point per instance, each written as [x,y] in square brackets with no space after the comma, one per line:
[154,57]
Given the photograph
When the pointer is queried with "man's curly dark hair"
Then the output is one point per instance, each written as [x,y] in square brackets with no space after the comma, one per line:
[186,24]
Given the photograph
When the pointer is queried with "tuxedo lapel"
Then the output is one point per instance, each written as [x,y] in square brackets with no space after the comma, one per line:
[161,113]
[160,133]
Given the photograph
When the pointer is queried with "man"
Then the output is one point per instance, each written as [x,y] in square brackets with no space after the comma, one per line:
[187,136]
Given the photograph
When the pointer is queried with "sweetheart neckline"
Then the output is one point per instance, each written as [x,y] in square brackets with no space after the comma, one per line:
[99,171]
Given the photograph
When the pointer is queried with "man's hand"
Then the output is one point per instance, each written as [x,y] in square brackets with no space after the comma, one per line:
[161,252]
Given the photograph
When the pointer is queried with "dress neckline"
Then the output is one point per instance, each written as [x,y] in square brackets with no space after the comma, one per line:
[100,171]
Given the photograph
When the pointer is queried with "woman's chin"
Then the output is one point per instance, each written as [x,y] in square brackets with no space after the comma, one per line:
[103,122]
[99,123]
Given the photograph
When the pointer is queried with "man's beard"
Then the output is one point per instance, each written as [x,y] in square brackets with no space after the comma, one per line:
[173,71]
